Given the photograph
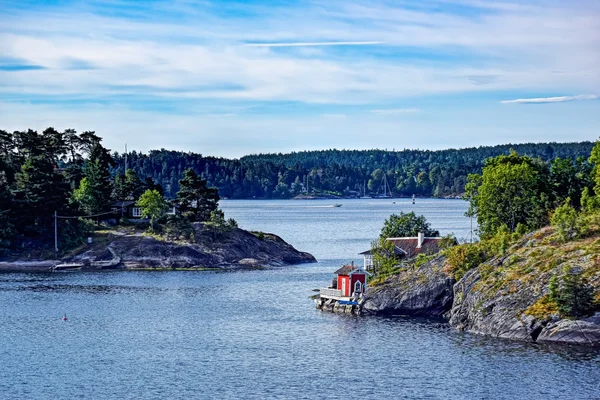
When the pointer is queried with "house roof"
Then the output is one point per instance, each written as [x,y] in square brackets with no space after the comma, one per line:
[398,251]
[407,246]
[348,269]
[430,245]
[123,203]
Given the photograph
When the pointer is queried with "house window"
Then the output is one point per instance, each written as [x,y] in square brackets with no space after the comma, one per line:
[136,212]
[357,287]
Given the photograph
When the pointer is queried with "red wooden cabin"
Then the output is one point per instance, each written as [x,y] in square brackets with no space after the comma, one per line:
[351,280]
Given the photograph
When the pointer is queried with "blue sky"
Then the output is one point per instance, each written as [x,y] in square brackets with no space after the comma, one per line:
[237,77]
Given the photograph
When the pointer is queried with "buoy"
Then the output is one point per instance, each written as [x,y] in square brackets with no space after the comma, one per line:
[64,318]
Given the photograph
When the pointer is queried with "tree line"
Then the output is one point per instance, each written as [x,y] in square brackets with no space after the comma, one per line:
[351,173]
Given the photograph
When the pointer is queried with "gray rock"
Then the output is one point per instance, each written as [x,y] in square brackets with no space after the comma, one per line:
[585,331]
[425,291]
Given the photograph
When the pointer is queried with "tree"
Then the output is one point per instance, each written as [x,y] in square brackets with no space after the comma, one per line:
[567,221]
[153,205]
[38,192]
[511,190]
[195,199]
[95,190]
[575,297]
[7,231]
[406,224]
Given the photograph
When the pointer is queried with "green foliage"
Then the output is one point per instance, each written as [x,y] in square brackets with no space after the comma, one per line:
[463,258]
[575,297]
[595,160]
[511,190]
[178,227]
[195,199]
[153,205]
[567,222]
[422,173]
[422,259]
[589,202]
[384,259]
[406,224]
[447,241]
[73,233]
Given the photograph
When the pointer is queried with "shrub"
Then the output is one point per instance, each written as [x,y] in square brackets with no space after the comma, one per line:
[463,258]
[575,297]
[566,221]
[447,241]
[177,227]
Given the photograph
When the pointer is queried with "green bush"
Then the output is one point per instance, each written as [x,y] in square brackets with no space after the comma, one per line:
[567,222]
[178,227]
[574,297]
[463,258]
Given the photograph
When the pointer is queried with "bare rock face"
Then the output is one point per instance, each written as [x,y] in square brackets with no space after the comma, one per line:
[424,291]
[585,331]
[212,248]
[482,310]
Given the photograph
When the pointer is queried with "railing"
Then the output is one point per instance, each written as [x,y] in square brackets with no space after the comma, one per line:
[331,293]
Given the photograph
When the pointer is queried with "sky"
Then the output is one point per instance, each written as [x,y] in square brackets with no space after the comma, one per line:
[230,78]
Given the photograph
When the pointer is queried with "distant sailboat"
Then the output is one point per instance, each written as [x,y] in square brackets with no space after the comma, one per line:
[413,199]
[386,194]
[364,196]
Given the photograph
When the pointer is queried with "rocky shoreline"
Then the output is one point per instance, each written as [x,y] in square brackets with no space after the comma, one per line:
[499,307]
[212,248]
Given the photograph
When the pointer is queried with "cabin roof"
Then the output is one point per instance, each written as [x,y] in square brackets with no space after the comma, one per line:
[123,203]
[349,269]
[397,251]
[409,245]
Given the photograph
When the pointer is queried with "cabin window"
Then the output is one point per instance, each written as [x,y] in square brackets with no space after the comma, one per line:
[136,211]
[357,287]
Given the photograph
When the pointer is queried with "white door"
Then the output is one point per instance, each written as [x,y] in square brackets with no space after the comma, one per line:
[343,287]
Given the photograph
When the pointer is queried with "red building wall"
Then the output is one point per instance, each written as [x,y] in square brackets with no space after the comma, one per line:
[348,290]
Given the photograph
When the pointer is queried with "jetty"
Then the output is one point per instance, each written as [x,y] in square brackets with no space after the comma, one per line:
[345,294]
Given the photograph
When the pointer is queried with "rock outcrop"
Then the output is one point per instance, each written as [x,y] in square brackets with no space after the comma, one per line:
[212,248]
[424,291]
[505,297]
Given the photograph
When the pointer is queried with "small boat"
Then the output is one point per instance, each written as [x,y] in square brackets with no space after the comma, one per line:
[337,205]
[67,267]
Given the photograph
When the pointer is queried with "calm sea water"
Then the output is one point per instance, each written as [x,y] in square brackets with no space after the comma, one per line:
[256,335]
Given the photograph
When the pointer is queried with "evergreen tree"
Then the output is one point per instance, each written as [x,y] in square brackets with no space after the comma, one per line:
[195,199]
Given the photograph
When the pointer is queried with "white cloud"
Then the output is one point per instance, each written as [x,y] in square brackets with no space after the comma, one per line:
[396,111]
[559,99]
[310,44]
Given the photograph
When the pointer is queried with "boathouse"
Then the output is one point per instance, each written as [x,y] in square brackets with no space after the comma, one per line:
[349,281]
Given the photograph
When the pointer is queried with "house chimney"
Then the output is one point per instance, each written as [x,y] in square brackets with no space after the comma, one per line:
[421,239]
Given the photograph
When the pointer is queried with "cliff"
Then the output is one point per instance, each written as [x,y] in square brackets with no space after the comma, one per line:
[211,248]
[423,291]
[507,296]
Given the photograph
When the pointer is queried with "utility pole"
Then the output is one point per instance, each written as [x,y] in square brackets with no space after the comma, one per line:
[55,232]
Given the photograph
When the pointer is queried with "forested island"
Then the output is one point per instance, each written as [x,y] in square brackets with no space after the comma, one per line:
[58,189]
[344,173]
[533,275]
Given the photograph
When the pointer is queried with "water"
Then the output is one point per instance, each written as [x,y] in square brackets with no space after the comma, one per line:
[256,335]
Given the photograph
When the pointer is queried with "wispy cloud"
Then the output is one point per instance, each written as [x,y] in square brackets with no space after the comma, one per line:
[311,44]
[559,99]
[396,111]
[206,59]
